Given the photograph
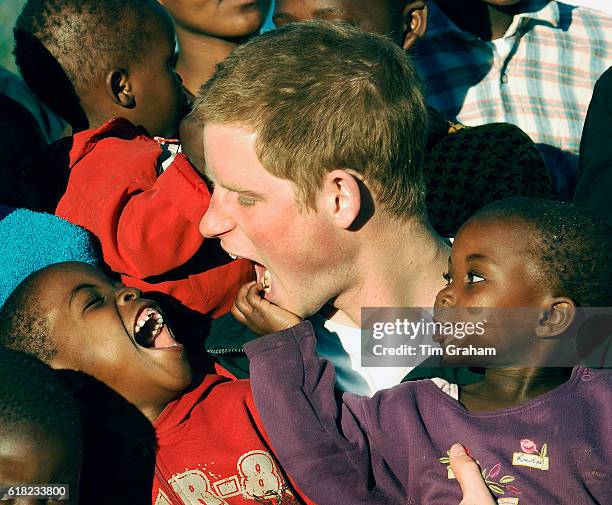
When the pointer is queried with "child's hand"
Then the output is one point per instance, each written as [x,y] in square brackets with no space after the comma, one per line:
[258,314]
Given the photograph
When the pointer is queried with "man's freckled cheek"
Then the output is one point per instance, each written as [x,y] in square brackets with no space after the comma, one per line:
[295,258]
[276,246]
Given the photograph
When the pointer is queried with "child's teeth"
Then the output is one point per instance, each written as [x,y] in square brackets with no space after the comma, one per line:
[233,256]
[145,316]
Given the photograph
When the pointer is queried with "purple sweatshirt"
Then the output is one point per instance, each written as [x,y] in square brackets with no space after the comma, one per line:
[392,448]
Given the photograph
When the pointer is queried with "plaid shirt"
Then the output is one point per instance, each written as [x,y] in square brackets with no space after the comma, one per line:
[539,76]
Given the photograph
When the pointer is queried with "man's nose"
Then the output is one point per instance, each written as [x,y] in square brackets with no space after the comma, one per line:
[215,221]
[128,294]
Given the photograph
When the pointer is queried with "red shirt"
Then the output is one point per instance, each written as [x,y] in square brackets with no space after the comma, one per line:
[212,449]
[148,224]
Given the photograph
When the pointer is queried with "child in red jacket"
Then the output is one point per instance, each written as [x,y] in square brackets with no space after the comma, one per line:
[124,187]
[211,447]
[147,218]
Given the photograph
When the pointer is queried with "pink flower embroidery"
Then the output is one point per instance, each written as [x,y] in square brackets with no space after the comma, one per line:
[528,446]
[494,472]
[513,489]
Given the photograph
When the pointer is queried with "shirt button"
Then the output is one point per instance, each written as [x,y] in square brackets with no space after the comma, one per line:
[504,78]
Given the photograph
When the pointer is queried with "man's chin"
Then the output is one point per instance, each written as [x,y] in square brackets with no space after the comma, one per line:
[299,309]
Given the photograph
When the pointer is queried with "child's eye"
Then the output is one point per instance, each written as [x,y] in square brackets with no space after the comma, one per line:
[473,278]
[447,277]
[93,301]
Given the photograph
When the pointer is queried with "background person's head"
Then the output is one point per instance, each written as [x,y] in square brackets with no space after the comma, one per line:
[313,133]
[72,316]
[40,429]
[118,58]
[545,255]
[405,21]
[208,31]
[231,20]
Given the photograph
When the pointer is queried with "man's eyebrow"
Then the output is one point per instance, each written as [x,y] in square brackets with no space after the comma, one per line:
[80,288]
[245,192]
[240,191]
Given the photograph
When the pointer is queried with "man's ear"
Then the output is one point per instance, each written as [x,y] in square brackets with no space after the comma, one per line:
[119,88]
[414,22]
[342,197]
[557,318]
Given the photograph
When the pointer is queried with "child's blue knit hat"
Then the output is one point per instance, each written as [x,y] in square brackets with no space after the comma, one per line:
[30,241]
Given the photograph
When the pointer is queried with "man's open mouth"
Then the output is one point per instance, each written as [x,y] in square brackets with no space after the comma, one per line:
[151,332]
[264,276]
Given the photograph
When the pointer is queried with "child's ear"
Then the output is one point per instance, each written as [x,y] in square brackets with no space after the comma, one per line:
[119,88]
[414,22]
[557,318]
[342,196]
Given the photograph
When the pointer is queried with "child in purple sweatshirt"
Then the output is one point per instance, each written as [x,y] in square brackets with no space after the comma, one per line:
[540,430]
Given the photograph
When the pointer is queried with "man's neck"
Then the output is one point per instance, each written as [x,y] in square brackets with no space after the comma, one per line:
[402,266]
[198,57]
[487,22]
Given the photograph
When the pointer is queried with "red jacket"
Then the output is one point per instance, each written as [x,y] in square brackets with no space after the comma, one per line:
[148,224]
[212,449]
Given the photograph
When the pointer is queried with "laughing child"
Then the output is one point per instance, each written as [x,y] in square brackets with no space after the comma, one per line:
[210,444]
[541,433]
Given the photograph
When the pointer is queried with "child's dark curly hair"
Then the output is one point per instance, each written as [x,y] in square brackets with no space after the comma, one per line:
[24,326]
[33,396]
[63,46]
[573,246]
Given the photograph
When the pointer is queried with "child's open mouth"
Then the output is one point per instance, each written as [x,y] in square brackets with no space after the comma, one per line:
[151,332]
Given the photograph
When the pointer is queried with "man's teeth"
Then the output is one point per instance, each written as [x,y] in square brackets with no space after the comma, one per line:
[266,282]
[233,256]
